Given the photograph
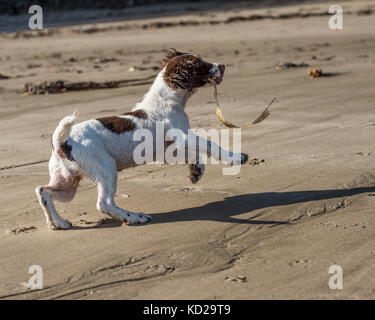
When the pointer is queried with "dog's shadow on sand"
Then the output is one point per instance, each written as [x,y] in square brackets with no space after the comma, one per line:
[226,210]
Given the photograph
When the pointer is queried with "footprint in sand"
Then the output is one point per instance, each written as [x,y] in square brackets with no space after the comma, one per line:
[236,279]
[21,230]
[256,162]
[104,222]
[299,262]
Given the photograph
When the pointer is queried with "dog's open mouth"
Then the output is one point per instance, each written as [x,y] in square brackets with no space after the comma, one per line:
[216,74]
[216,80]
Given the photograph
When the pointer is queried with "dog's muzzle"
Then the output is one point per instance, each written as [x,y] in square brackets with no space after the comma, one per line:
[217,73]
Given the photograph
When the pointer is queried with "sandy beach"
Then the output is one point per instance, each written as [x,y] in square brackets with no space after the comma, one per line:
[270,232]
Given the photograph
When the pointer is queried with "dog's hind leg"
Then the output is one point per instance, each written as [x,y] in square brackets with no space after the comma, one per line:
[106,178]
[58,189]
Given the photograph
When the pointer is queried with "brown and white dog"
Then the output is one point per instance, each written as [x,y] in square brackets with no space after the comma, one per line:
[98,148]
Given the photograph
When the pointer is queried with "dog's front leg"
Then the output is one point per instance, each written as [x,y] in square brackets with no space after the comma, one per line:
[211,149]
[197,149]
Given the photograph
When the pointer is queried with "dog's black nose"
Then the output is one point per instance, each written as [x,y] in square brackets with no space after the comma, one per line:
[221,68]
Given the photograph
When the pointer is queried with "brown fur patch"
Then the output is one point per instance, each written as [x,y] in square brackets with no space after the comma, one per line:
[117,124]
[187,72]
[137,113]
[170,54]
[65,151]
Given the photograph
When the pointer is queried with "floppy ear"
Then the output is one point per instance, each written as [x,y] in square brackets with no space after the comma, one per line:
[171,53]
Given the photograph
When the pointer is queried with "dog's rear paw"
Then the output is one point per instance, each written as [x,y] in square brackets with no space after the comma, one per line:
[137,218]
[60,224]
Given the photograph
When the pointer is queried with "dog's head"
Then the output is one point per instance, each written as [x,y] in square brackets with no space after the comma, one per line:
[190,72]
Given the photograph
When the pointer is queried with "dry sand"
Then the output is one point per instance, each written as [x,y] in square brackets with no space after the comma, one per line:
[270,232]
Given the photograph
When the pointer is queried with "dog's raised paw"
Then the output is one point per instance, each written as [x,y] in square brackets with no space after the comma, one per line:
[193,178]
[196,172]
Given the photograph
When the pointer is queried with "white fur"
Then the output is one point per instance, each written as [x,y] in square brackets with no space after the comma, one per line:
[98,153]
[61,134]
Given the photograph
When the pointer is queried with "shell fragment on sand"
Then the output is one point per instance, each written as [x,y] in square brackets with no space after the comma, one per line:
[315,73]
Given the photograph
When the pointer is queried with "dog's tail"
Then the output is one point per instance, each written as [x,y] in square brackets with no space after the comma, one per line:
[62,131]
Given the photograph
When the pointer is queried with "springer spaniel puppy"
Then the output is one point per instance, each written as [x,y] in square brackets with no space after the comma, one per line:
[98,148]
